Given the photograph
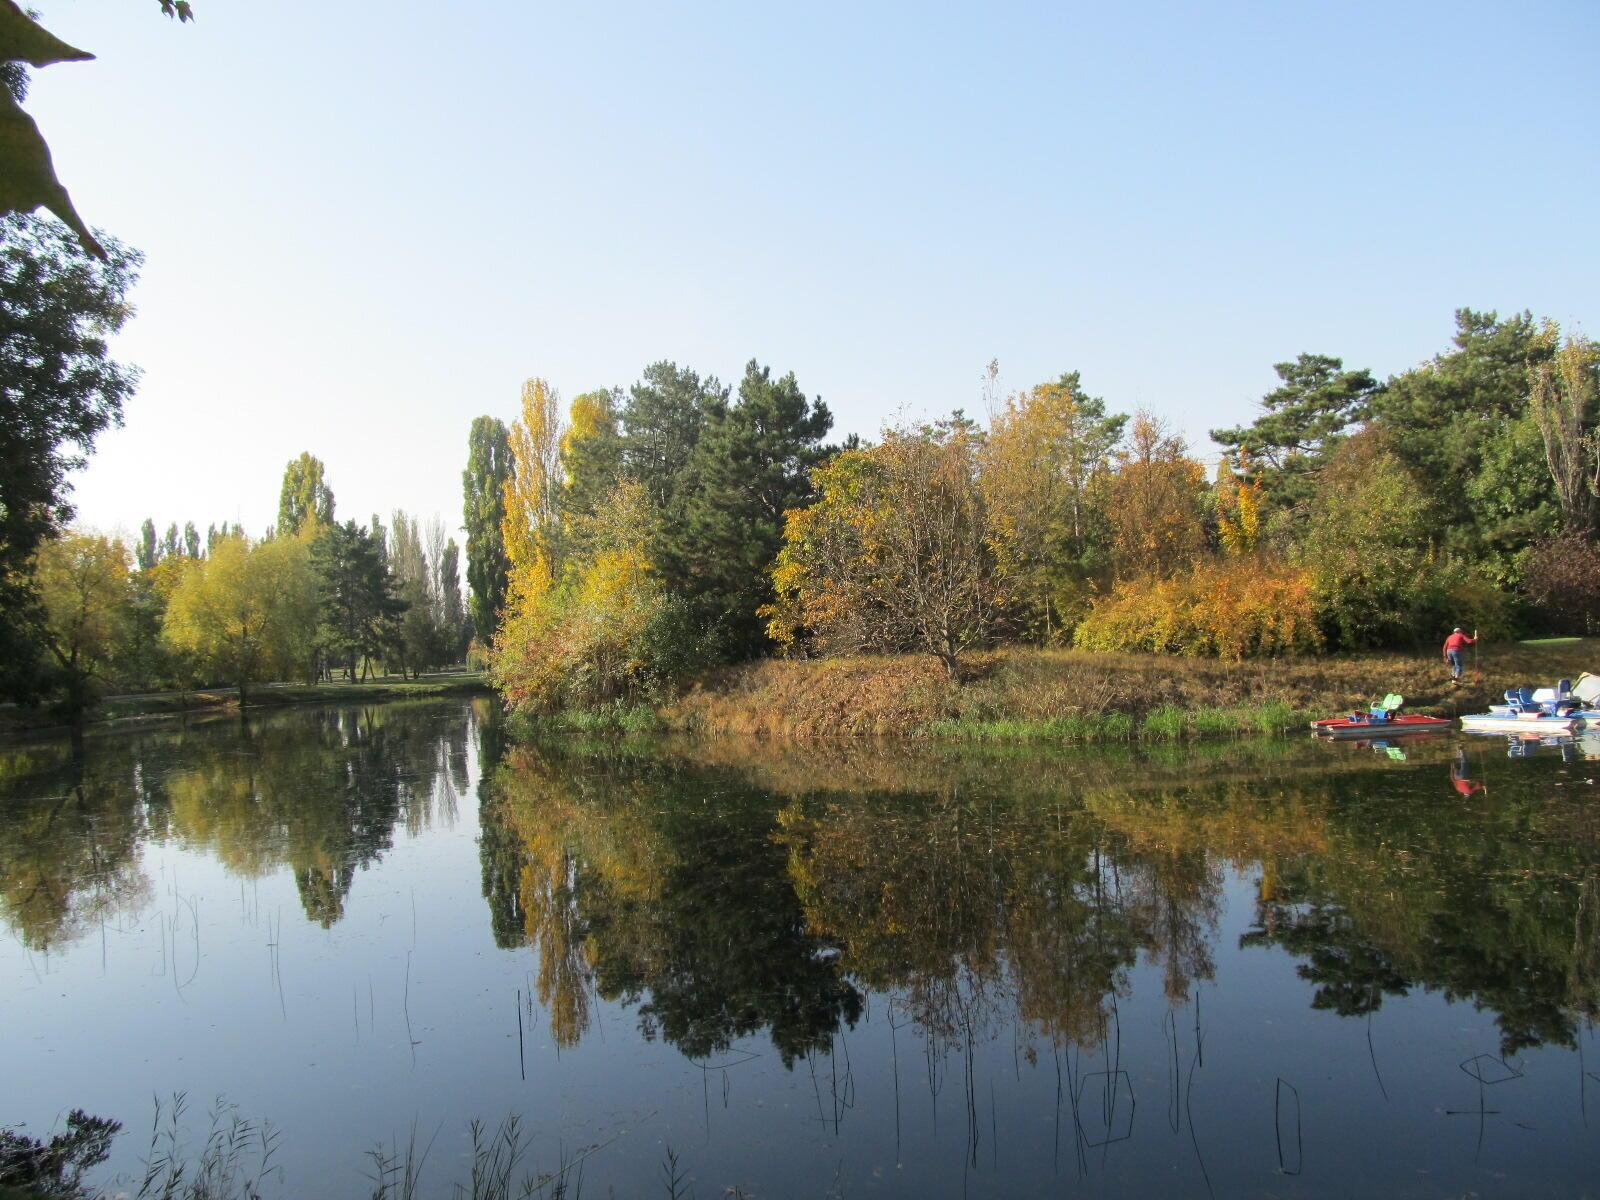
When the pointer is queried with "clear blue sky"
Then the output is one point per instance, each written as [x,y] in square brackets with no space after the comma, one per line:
[366,223]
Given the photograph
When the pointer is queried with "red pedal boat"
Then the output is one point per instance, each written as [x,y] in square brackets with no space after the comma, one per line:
[1380,720]
[1362,726]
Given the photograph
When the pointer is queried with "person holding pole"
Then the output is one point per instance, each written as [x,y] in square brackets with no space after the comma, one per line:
[1453,646]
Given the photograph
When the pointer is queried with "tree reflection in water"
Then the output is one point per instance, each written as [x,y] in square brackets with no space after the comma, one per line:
[319,791]
[728,888]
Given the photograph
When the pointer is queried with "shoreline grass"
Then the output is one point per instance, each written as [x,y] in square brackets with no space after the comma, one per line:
[1167,723]
[1023,694]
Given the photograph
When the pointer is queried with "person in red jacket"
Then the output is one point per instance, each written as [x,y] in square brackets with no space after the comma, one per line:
[1453,646]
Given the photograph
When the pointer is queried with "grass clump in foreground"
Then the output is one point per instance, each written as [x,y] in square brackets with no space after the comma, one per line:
[236,1161]
[1166,723]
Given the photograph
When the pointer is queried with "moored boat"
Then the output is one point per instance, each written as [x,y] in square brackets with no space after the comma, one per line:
[1380,720]
[1359,726]
[1561,709]
[1532,721]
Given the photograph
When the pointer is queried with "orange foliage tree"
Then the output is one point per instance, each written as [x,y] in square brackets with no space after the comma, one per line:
[1156,502]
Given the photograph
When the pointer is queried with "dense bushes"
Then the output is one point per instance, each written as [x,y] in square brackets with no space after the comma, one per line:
[1232,608]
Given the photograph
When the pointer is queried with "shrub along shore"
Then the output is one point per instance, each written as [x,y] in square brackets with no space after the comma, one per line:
[1073,696]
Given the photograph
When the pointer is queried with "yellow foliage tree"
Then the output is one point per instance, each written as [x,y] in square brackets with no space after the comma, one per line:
[603,631]
[532,491]
[1044,470]
[247,612]
[82,582]
[1238,507]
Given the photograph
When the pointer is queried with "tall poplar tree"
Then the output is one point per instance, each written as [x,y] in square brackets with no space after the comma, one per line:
[531,526]
[483,513]
[146,550]
[305,495]
[591,452]
[445,558]
[421,629]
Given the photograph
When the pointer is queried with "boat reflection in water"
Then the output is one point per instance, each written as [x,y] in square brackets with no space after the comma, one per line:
[1570,747]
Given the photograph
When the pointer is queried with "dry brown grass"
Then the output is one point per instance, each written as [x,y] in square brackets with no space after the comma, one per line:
[902,695]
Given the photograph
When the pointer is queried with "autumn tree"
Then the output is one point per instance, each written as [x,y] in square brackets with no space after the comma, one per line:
[483,515]
[591,453]
[1046,465]
[1561,397]
[896,552]
[82,584]
[305,495]
[604,629]
[1238,498]
[1370,546]
[532,522]
[1155,502]
[247,612]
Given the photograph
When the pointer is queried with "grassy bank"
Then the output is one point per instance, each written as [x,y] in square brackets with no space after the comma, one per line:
[152,705]
[1060,695]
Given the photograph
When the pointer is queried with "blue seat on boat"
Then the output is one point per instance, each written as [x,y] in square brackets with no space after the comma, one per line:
[1525,695]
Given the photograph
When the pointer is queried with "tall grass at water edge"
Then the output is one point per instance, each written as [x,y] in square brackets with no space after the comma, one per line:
[1166,723]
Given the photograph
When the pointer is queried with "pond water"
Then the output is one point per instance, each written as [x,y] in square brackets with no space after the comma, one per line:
[1278,968]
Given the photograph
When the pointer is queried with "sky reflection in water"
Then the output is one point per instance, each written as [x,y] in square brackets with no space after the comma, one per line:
[1275,968]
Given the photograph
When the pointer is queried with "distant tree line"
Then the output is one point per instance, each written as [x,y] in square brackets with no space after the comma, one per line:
[309,599]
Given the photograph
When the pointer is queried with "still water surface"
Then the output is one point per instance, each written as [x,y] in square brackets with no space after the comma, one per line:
[1282,969]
